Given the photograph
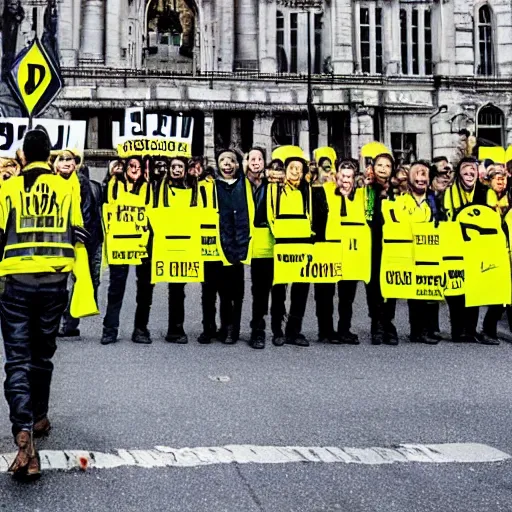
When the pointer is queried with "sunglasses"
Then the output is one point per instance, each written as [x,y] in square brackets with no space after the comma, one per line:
[347,165]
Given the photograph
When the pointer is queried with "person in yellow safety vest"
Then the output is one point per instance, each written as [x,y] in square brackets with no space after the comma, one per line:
[334,203]
[498,198]
[40,223]
[198,176]
[326,159]
[466,189]
[130,185]
[67,164]
[236,217]
[262,263]
[174,193]
[382,313]
[290,212]
[420,205]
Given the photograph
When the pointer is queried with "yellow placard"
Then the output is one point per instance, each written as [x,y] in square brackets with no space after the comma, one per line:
[486,259]
[127,233]
[307,263]
[176,250]
[154,147]
[356,254]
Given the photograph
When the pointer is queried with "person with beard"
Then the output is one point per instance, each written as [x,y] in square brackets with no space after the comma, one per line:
[336,203]
[236,219]
[497,197]
[290,215]
[262,262]
[382,313]
[466,189]
[420,205]
[130,186]
[174,193]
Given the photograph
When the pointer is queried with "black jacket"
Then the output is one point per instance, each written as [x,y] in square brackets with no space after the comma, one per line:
[260,205]
[234,219]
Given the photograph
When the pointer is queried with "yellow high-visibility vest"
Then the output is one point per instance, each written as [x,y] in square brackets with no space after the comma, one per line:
[353,232]
[38,224]
[176,249]
[125,224]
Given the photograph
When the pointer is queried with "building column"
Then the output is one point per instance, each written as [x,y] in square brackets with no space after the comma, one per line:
[361,128]
[262,133]
[323,132]
[93,24]
[113,41]
[246,34]
[68,52]
[392,56]
[92,133]
[209,138]
[267,37]
[226,35]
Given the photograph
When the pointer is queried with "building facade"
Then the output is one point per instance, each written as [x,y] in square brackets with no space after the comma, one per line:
[418,75]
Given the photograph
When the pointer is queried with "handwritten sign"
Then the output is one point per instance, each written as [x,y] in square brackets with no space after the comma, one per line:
[63,134]
[136,125]
[127,233]
[308,263]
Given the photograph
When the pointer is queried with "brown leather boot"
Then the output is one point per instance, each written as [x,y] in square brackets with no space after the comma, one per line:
[34,467]
[25,454]
[42,428]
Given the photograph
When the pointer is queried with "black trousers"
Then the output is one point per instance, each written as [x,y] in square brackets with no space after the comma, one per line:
[493,316]
[423,317]
[209,290]
[463,320]
[324,299]
[70,323]
[381,312]
[231,294]
[176,308]
[262,276]
[116,289]
[298,301]
[30,318]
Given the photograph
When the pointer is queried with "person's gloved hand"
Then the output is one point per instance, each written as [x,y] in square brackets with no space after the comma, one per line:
[81,235]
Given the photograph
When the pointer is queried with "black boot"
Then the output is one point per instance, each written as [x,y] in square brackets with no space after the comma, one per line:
[109,336]
[257,340]
[176,334]
[141,336]
[293,334]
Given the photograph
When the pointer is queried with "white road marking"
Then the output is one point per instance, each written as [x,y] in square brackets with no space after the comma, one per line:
[164,456]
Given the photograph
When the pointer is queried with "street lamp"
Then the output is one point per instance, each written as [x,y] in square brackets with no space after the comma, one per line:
[308,6]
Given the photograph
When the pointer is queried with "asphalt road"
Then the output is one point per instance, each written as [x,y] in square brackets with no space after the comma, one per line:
[127,396]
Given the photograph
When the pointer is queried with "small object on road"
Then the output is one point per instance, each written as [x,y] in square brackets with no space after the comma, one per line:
[83,462]
[219,378]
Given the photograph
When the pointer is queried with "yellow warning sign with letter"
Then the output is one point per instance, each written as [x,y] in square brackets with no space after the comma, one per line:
[34,78]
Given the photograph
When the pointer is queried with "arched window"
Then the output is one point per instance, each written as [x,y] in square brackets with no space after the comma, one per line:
[484,50]
[490,126]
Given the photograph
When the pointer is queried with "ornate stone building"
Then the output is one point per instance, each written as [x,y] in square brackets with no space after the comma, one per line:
[414,74]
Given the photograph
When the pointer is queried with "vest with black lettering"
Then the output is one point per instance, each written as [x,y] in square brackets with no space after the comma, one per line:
[38,219]
[211,249]
[343,211]
[289,212]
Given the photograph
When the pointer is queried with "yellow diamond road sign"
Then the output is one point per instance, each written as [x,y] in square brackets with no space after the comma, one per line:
[34,78]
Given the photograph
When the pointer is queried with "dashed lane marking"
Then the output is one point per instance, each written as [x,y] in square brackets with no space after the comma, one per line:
[164,456]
